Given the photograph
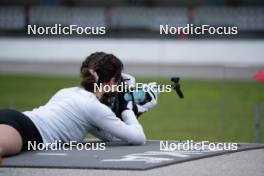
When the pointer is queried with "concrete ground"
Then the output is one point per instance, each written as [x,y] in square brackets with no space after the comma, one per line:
[235,164]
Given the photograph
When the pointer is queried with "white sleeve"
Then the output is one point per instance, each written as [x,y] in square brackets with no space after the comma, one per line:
[103,135]
[106,121]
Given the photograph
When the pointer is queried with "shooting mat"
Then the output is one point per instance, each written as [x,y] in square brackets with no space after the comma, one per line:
[116,156]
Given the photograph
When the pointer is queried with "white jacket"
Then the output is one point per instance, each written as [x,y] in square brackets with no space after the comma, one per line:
[73,112]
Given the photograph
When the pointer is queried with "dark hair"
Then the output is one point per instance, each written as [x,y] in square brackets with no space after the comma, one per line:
[106,66]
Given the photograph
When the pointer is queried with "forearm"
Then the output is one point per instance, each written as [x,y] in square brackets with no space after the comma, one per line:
[103,135]
[112,128]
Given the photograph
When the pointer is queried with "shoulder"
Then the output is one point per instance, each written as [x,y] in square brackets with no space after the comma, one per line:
[98,109]
[76,97]
[85,101]
[75,93]
[88,102]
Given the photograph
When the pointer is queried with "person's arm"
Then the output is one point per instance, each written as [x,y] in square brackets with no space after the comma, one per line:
[103,135]
[128,130]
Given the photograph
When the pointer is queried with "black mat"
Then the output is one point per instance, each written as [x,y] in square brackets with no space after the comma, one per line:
[116,156]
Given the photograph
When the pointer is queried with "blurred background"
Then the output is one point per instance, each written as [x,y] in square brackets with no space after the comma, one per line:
[222,100]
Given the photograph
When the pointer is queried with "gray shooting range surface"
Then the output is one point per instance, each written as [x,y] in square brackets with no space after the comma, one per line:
[116,156]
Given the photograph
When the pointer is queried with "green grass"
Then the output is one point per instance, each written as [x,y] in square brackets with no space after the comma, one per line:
[212,110]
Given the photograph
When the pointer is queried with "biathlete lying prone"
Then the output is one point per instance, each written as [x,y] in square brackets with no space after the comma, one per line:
[73,112]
